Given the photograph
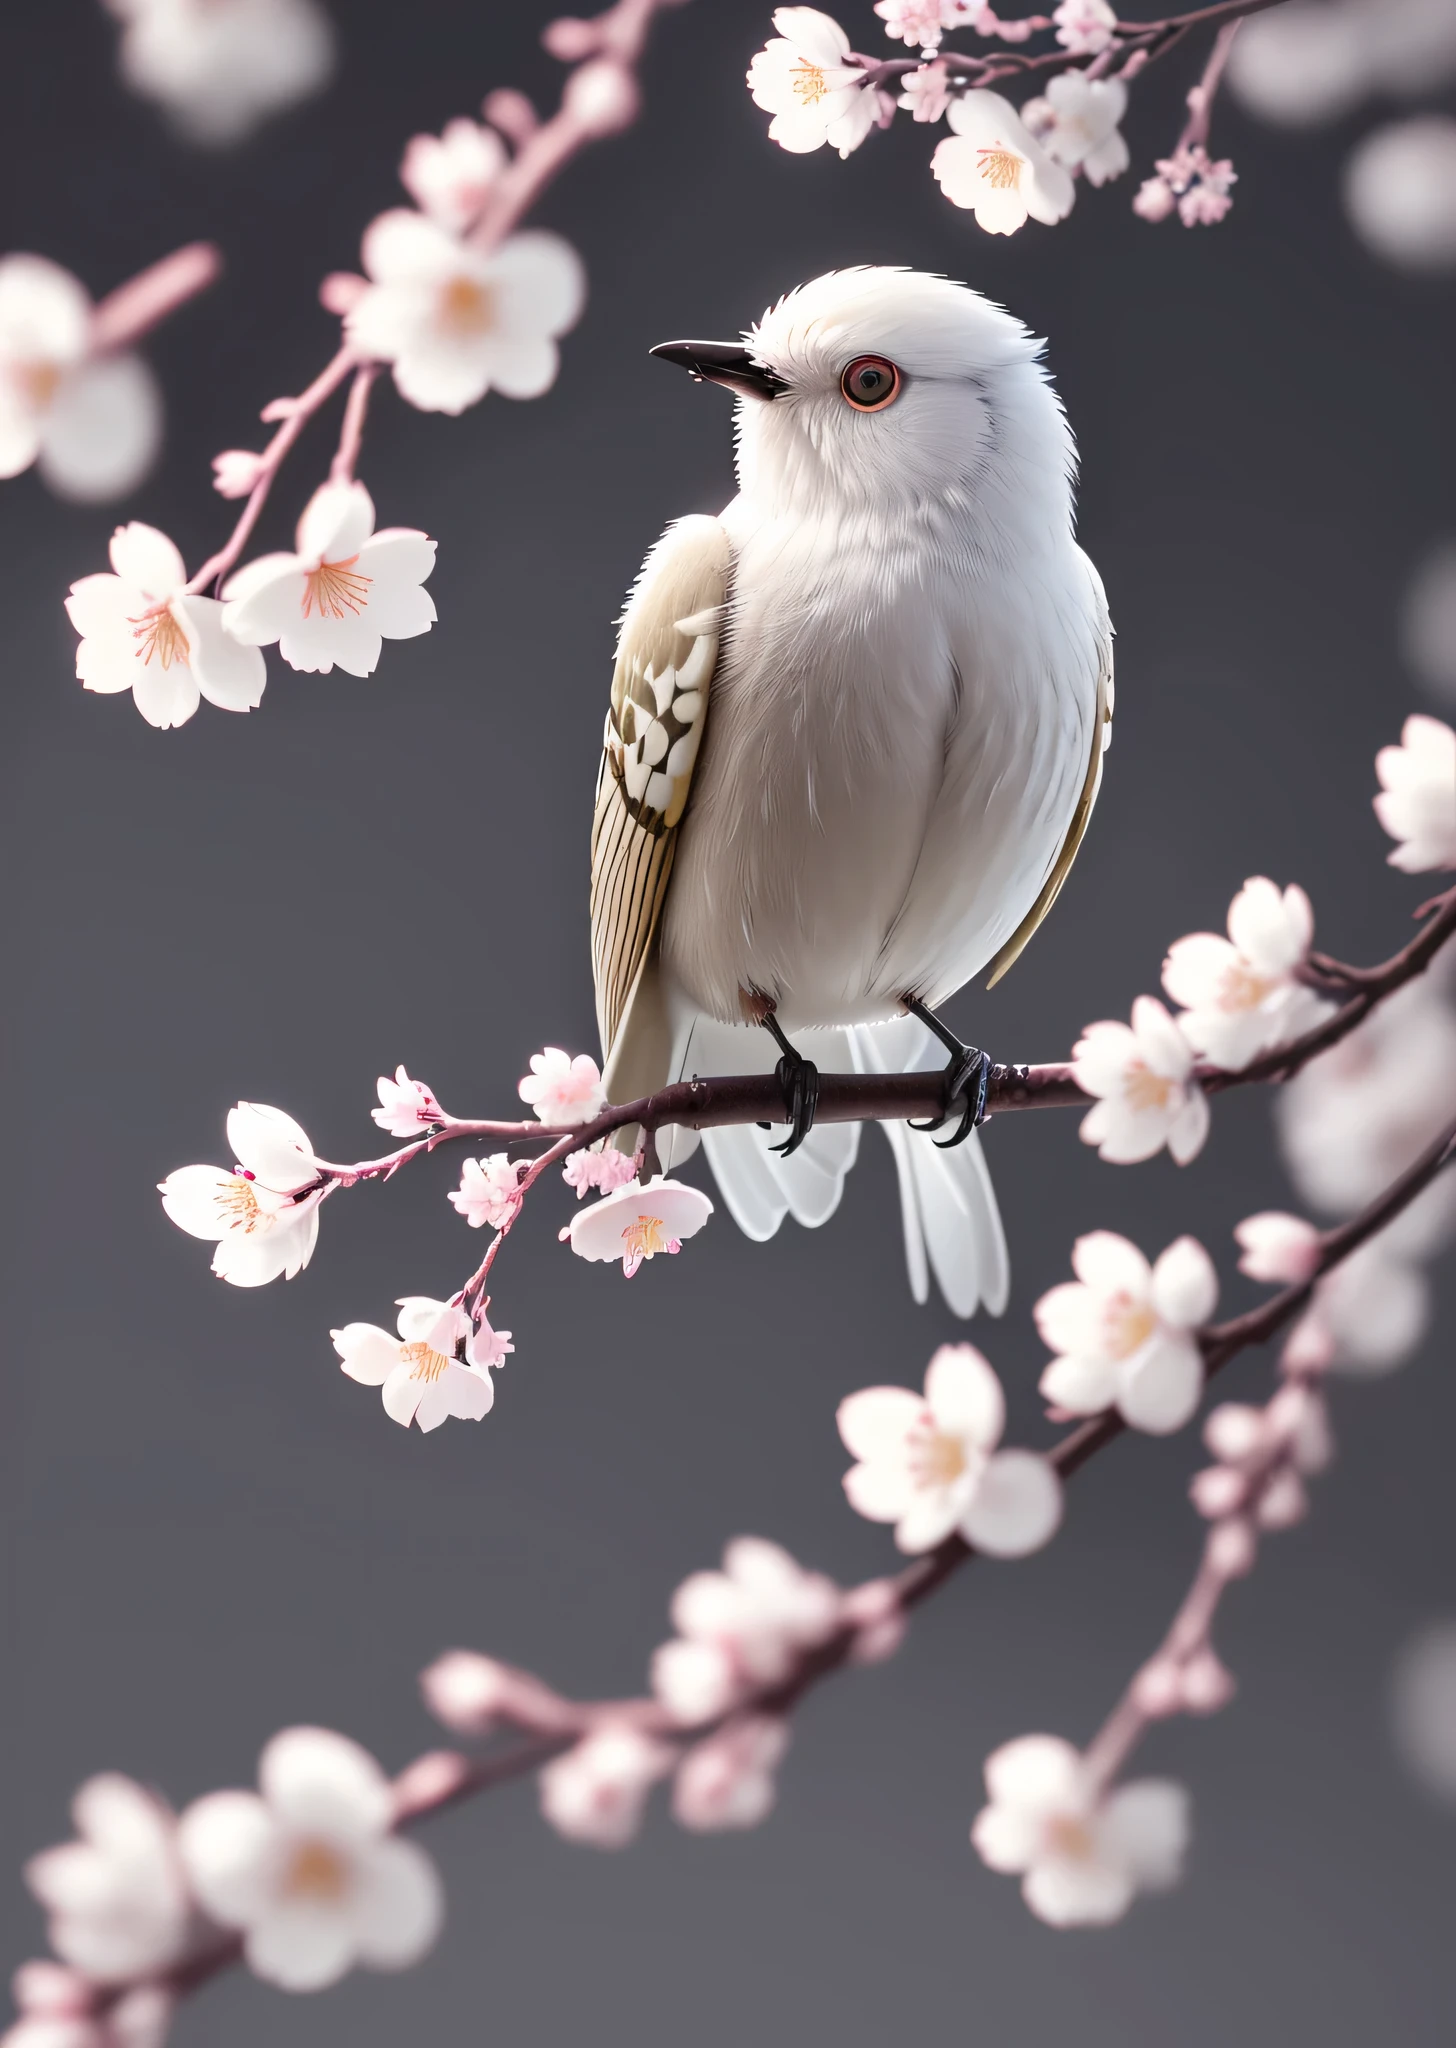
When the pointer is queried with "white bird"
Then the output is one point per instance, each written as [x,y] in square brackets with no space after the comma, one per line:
[855,736]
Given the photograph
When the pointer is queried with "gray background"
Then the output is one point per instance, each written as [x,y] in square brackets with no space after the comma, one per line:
[211,1533]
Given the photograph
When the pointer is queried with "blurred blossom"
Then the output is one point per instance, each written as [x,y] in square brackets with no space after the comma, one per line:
[994,166]
[926,93]
[563,1090]
[1148,1095]
[1423,1709]
[1428,620]
[91,423]
[1400,192]
[1082,1853]
[919,23]
[739,1628]
[804,78]
[421,1377]
[1126,1332]
[635,1224]
[346,591]
[220,67]
[728,1781]
[57,2011]
[116,1898]
[455,321]
[259,1216]
[1417,801]
[1077,123]
[309,1871]
[1276,1247]
[1084,27]
[930,1465]
[449,176]
[1242,993]
[1375,1308]
[141,630]
[597,1792]
[1312,60]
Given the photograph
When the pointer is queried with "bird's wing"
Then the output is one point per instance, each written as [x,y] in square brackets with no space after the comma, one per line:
[1091,783]
[666,654]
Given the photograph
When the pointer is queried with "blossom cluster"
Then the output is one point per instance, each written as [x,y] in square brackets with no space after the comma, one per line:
[220,67]
[1002,164]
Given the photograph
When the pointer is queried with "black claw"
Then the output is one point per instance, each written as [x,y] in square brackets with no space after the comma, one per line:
[799,1080]
[966,1080]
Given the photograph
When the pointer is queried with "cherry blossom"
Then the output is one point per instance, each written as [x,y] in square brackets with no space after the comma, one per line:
[141,630]
[1242,994]
[423,1378]
[489,1192]
[744,1626]
[219,67]
[92,422]
[1077,123]
[1371,1311]
[1148,1095]
[1400,192]
[449,176]
[117,1901]
[1277,1247]
[930,1465]
[1264,1456]
[1301,63]
[309,1871]
[236,472]
[636,1223]
[264,1214]
[806,79]
[406,1107]
[1192,182]
[597,1792]
[1417,801]
[58,2010]
[455,321]
[563,1090]
[920,23]
[344,592]
[927,92]
[727,1780]
[1085,27]
[1125,1331]
[1082,1854]
[600,1167]
[994,166]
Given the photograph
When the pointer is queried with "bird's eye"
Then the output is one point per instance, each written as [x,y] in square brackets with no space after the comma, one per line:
[870,383]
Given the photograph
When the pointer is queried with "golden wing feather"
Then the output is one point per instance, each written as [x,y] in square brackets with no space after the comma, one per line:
[666,654]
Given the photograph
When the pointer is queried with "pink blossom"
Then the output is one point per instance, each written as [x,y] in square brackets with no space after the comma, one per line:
[926,92]
[563,1090]
[489,1192]
[1242,994]
[605,1169]
[236,472]
[597,1791]
[488,1348]
[602,96]
[1126,1332]
[405,1106]
[449,176]
[1018,30]
[1148,1094]
[420,1374]
[1417,800]
[1154,199]
[727,1781]
[1276,1247]
[1199,186]
[742,1627]
[918,22]
[1085,27]
[466,1691]
[636,1223]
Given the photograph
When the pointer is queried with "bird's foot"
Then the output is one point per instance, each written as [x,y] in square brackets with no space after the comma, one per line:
[965,1081]
[799,1080]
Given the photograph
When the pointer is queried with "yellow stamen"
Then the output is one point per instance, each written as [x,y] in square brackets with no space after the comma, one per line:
[810,85]
[334,588]
[37,381]
[1068,1836]
[643,1238]
[236,1199]
[424,1363]
[1240,988]
[467,306]
[160,634]
[1145,1089]
[937,1459]
[1127,1324]
[1001,167]
[316,1871]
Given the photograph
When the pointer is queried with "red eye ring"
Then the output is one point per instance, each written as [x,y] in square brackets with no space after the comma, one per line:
[870,383]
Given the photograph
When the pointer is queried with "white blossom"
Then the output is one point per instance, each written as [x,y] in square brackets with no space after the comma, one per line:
[563,1090]
[92,423]
[117,1901]
[994,166]
[423,1377]
[1242,994]
[805,79]
[141,631]
[920,23]
[489,1192]
[1400,192]
[1374,1308]
[1423,1709]
[1148,1095]
[597,1792]
[449,176]
[1277,1247]
[636,1223]
[1301,63]
[1082,1853]
[219,67]
[58,2009]
[309,1871]
[406,1107]
[1125,1331]
[930,1465]
[259,1215]
[455,321]
[742,1627]
[727,1781]
[1085,26]
[1417,801]
[1076,121]
[346,590]
[1428,620]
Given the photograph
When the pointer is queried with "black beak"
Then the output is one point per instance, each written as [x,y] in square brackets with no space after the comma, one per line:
[722,362]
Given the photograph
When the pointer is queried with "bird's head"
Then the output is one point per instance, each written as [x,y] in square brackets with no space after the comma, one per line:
[893,390]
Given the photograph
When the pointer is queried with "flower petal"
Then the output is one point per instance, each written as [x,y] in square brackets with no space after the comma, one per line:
[1162,1385]
[103,431]
[229,673]
[366,1353]
[1016,1507]
[874,1423]
[145,558]
[1146,1826]
[232,1851]
[1185,1285]
[318,1781]
[965,1395]
[399,1905]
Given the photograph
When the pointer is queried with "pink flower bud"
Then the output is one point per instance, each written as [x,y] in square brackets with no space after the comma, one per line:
[727,1781]
[1310,1346]
[1232,1548]
[1233,1431]
[1284,1501]
[1158,1689]
[1217,1492]
[1207,1683]
[603,96]
[341,291]
[429,1781]
[466,1691]
[569,40]
[235,472]
[1154,200]
[512,113]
